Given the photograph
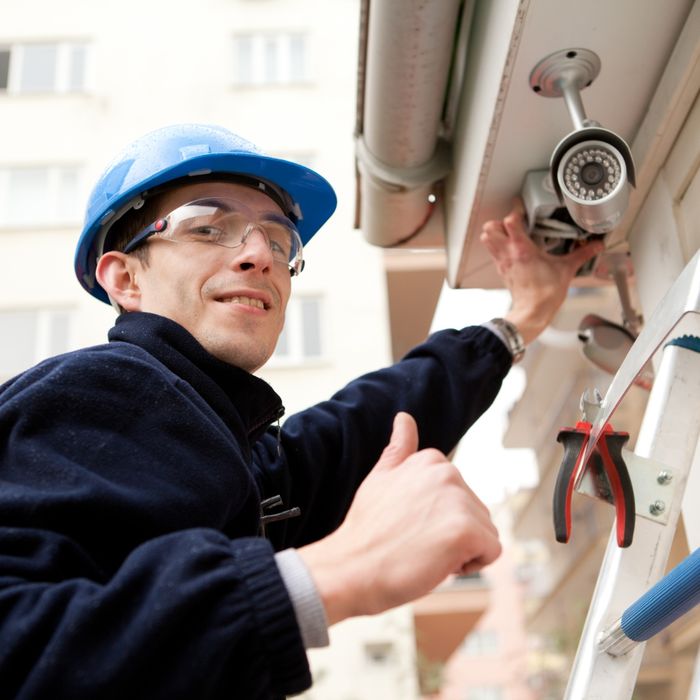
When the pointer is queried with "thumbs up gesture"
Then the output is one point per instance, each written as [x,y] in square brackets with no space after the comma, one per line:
[413,522]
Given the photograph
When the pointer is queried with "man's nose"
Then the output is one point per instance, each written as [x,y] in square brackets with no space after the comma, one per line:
[254,251]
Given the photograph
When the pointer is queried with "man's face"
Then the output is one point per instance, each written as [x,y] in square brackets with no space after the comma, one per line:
[232,300]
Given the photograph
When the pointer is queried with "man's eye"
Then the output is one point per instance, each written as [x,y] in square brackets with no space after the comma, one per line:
[278,248]
[210,233]
[279,241]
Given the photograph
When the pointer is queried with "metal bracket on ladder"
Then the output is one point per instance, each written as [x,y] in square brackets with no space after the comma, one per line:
[653,484]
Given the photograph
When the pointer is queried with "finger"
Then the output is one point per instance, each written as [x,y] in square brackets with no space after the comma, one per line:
[493,226]
[514,223]
[471,567]
[490,550]
[490,242]
[518,206]
[494,238]
[402,444]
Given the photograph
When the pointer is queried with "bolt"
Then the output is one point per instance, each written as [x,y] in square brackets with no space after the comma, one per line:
[657,507]
[664,477]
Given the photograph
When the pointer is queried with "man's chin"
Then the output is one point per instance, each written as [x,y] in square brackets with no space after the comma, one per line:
[250,360]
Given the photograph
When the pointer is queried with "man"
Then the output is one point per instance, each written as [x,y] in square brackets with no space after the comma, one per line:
[137,476]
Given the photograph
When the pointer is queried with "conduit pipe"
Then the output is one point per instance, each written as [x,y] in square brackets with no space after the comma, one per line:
[407,47]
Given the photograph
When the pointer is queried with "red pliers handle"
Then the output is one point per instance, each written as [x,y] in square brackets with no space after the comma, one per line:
[608,454]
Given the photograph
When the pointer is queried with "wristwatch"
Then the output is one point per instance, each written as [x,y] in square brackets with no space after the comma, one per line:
[512,336]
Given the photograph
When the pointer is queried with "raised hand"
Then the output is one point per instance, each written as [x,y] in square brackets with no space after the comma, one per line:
[537,280]
[413,522]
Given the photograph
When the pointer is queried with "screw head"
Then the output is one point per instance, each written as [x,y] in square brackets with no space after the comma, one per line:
[657,507]
[664,477]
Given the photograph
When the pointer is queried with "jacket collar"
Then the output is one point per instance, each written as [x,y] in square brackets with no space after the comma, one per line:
[232,392]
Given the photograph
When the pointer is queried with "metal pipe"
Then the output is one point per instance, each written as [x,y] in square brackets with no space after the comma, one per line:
[400,156]
[572,96]
[630,318]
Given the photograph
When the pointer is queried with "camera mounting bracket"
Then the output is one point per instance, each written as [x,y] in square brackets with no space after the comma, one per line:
[564,74]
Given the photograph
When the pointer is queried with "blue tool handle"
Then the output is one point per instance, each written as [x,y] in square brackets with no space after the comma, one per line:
[671,597]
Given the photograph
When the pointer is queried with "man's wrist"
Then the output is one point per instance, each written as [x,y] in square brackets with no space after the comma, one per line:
[510,335]
[305,597]
[339,584]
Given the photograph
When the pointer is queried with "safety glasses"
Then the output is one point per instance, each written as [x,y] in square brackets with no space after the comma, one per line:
[228,223]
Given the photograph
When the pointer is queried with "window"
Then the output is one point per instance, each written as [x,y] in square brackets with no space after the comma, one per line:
[4,68]
[301,338]
[40,195]
[270,59]
[32,335]
[378,653]
[46,67]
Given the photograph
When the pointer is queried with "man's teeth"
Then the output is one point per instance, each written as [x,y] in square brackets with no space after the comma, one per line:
[246,300]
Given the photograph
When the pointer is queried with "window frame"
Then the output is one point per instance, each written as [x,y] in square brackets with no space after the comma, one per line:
[54,196]
[293,334]
[43,345]
[63,70]
[266,71]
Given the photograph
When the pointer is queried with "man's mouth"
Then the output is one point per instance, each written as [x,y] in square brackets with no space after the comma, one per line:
[247,301]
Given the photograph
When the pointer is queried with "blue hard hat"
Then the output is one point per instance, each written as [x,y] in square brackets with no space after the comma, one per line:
[190,150]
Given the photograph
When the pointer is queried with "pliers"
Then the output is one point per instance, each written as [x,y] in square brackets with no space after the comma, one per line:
[607,464]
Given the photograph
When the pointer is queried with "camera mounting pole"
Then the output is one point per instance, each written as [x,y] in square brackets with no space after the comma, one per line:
[564,74]
[590,171]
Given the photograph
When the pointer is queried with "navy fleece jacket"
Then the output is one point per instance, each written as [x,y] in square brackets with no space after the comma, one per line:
[131,476]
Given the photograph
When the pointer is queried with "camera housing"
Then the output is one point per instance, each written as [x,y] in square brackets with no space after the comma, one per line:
[591,171]
[585,192]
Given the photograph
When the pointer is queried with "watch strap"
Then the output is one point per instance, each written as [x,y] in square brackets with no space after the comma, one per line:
[511,336]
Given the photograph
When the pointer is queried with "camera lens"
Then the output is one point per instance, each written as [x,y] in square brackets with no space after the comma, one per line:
[591,170]
[592,174]
[592,180]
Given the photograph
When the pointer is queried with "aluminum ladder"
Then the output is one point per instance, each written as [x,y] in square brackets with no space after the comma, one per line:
[667,442]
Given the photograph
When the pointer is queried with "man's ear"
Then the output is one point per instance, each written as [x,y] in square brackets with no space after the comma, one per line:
[116,273]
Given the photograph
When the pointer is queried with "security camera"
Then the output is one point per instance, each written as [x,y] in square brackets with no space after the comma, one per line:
[591,169]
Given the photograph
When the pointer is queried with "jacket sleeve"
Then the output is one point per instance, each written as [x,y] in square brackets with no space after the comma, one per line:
[445,384]
[102,595]
[188,615]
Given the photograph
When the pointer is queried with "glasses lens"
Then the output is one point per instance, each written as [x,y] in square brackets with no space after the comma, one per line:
[284,241]
[228,223]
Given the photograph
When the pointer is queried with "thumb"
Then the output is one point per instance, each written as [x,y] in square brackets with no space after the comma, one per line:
[403,442]
[518,206]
